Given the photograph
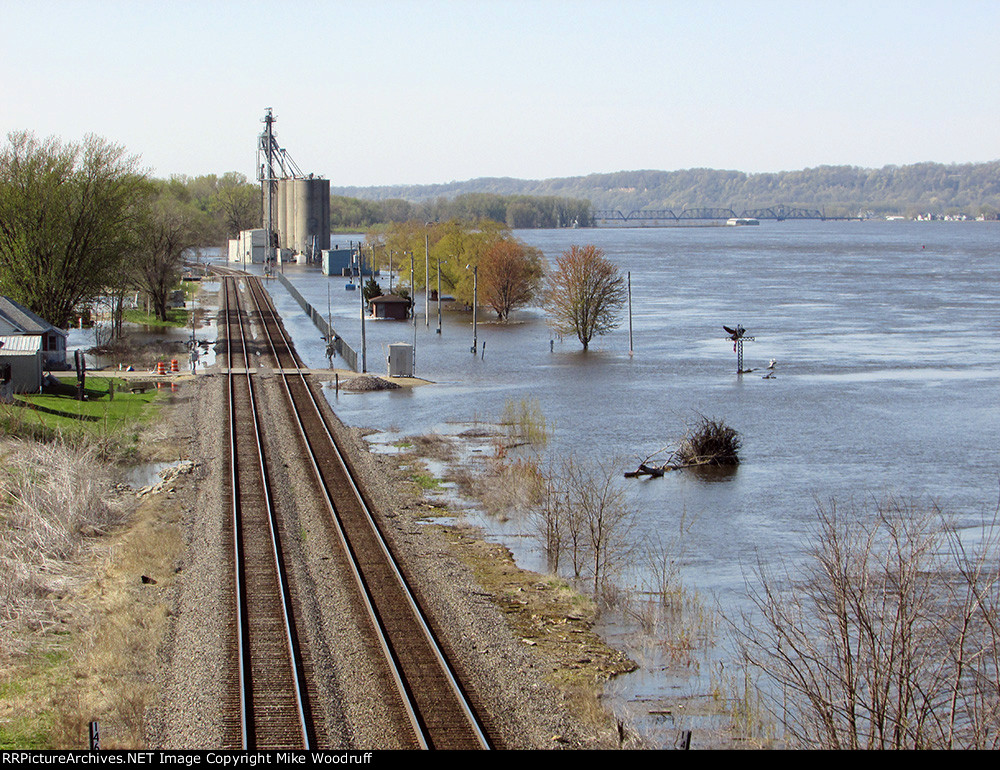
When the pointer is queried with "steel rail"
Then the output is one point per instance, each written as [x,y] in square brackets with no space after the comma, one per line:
[248,732]
[420,730]
[242,633]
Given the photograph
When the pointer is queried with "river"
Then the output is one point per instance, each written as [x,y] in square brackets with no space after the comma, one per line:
[887,375]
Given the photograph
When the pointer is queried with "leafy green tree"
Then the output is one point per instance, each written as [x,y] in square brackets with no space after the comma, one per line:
[585,294]
[169,228]
[67,216]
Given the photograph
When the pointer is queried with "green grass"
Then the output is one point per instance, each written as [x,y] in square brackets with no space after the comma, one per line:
[30,733]
[176,317]
[113,422]
[425,481]
[27,727]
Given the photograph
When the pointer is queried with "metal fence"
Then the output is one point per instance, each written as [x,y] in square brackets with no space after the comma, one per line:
[334,342]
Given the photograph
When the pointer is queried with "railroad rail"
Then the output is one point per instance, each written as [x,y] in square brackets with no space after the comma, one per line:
[274,710]
[436,705]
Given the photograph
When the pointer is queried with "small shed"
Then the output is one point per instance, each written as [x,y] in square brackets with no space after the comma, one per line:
[24,354]
[15,319]
[390,306]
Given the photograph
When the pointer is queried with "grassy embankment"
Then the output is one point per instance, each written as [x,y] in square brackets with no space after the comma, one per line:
[77,622]
[109,418]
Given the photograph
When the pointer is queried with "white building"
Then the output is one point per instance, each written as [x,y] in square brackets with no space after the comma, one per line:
[248,248]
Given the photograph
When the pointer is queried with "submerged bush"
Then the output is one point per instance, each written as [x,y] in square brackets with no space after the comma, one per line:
[711,442]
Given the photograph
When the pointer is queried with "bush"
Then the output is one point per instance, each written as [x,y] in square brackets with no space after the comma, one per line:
[711,442]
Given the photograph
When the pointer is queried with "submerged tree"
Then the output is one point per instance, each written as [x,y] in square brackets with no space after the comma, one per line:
[586,293]
[509,275]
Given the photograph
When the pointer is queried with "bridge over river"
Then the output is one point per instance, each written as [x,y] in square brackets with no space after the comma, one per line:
[670,218]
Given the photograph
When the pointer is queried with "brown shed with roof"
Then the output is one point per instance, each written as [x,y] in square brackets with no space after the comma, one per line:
[390,306]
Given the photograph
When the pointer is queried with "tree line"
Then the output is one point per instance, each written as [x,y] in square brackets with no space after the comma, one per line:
[81,220]
[936,188]
[515,211]
[485,264]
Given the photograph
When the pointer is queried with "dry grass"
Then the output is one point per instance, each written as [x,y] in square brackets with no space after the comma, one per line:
[80,629]
[507,489]
[53,500]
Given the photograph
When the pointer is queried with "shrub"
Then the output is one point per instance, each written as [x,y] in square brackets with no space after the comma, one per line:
[711,442]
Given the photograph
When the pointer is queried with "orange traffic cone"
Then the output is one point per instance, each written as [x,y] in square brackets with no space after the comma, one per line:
[161,368]
[173,365]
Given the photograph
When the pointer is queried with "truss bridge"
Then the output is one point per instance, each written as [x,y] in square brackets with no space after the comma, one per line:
[671,218]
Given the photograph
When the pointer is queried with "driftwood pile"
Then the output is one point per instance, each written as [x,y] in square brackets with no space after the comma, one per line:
[711,442]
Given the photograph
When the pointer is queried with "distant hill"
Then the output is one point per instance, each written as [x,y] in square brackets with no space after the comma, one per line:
[970,188]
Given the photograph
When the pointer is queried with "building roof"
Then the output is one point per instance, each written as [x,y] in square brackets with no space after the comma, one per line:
[20,344]
[21,318]
[387,298]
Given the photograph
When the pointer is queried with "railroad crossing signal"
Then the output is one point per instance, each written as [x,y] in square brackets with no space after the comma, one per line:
[738,337]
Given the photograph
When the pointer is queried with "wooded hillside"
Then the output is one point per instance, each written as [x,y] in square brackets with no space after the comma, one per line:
[970,188]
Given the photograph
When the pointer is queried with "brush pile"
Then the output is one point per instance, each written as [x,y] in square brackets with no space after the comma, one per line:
[367,382]
[709,443]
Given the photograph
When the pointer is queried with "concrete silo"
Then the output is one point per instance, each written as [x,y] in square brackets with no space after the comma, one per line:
[303,209]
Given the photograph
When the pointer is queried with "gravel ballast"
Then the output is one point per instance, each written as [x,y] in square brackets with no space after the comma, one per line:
[510,679]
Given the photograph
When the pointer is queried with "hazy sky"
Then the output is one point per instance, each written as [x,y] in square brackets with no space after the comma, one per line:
[423,91]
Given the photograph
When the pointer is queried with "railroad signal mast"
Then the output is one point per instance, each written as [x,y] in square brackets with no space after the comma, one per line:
[738,337]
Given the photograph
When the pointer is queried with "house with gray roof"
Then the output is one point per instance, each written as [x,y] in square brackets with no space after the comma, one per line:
[17,320]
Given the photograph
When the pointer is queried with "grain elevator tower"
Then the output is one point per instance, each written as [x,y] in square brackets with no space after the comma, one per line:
[295,207]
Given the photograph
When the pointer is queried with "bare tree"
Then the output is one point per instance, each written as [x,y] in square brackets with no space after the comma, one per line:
[238,202]
[168,231]
[585,294]
[889,640]
[585,511]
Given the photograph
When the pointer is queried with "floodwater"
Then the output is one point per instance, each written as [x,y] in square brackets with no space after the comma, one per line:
[887,375]
[205,335]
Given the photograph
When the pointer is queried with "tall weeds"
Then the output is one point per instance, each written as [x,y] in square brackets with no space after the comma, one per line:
[53,497]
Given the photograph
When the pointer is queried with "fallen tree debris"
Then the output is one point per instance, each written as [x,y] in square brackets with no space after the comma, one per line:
[711,442]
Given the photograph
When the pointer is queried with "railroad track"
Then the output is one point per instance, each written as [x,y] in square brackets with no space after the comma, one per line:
[435,703]
[274,710]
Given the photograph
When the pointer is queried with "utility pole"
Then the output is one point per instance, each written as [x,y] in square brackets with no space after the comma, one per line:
[413,304]
[361,294]
[475,305]
[427,281]
[439,296]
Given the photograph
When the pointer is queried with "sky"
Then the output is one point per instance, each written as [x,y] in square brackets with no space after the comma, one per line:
[381,92]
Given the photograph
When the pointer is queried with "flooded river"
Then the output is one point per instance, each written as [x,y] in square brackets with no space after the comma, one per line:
[887,375]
